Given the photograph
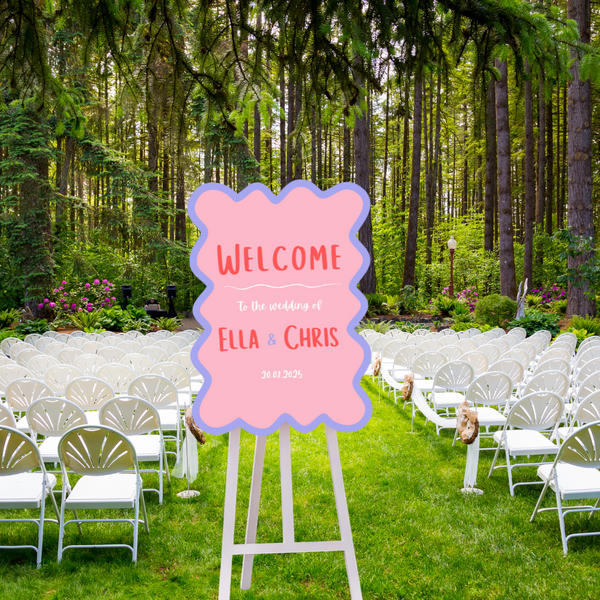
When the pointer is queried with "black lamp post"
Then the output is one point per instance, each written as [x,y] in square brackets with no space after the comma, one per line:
[126,293]
[171,293]
[452,247]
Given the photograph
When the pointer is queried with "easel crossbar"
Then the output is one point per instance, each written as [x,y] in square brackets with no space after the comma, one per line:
[289,547]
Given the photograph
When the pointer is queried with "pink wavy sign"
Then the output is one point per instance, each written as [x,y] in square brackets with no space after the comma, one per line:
[280,307]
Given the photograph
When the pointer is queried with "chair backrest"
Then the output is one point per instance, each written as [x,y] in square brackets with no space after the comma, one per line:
[568,336]
[428,363]
[96,450]
[589,385]
[118,376]
[490,389]
[62,337]
[7,343]
[90,363]
[112,341]
[422,332]
[58,377]
[168,346]
[582,447]
[68,355]
[552,365]
[42,343]
[32,338]
[537,343]
[7,419]
[474,331]
[388,351]
[77,342]
[405,358]
[466,345]
[20,393]
[492,352]
[539,411]
[155,354]
[89,392]
[511,367]
[456,375]
[478,360]
[519,332]
[92,347]
[78,334]
[139,363]
[370,338]
[4,360]
[451,352]
[430,346]
[590,353]
[400,335]
[17,348]
[589,368]
[557,352]
[520,355]
[548,382]
[130,415]
[25,356]
[479,340]
[93,337]
[511,340]
[588,409]
[53,416]
[134,334]
[175,373]
[530,349]
[55,348]
[10,373]
[40,363]
[594,340]
[129,346]
[144,341]
[185,335]
[19,453]
[158,390]
[545,334]
[111,354]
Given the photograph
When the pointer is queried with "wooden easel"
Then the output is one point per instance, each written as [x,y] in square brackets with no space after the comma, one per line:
[250,548]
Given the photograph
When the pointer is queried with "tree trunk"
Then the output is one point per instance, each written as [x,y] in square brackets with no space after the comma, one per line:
[282,142]
[581,215]
[549,165]
[490,165]
[508,285]
[347,152]
[298,126]
[413,211]
[387,135]
[405,147]
[368,284]
[64,180]
[529,182]
[313,144]
[541,179]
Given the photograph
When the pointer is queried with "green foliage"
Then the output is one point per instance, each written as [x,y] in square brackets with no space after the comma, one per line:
[535,320]
[444,304]
[380,327]
[495,310]
[559,306]
[36,326]
[581,334]
[409,301]
[377,305]
[84,319]
[169,324]
[409,327]
[140,325]
[465,326]
[587,274]
[461,314]
[6,333]
[533,301]
[588,323]
[8,317]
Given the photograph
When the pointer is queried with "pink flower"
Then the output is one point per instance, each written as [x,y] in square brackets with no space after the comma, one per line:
[41,305]
[80,309]
[51,305]
[105,281]
[110,306]
[46,300]
[61,288]
[90,309]
[113,298]
[64,293]
[64,283]
[84,299]
[55,291]
[89,304]
[73,306]
[87,285]
[96,281]
[107,289]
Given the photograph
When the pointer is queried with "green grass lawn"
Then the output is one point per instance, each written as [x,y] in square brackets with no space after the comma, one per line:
[415,534]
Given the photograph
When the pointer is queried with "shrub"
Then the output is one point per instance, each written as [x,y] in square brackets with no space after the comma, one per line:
[36,326]
[381,327]
[469,297]
[83,320]
[495,310]
[581,334]
[409,301]
[590,324]
[66,299]
[465,326]
[409,327]
[461,314]
[376,305]
[550,294]
[8,317]
[167,323]
[535,320]
[6,333]
[559,306]
[444,305]
[533,301]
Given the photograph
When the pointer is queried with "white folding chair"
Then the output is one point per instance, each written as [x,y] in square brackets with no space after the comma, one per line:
[89,393]
[90,363]
[32,338]
[492,353]
[588,411]
[58,378]
[118,376]
[155,354]
[7,419]
[40,364]
[92,347]
[77,342]
[55,348]
[22,489]
[25,356]
[521,435]
[7,343]
[69,355]
[478,360]
[168,346]
[466,345]
[111,354]
[180,378]
[404,360]
[451,353]
[449,385]
[129,346]
[103,456]
[519,332]
[139,363]
[574,475]
[10,373]
[137,418]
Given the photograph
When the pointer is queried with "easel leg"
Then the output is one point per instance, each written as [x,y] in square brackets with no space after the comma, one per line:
[257,473]
[342,511]
[233,459]
[287,500]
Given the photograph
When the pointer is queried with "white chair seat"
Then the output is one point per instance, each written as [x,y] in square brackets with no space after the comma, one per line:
[168,418]
[564,432]
[147,447]
[575,482]
[103,491]
[92,417]
[23,490]
[448,399]
[425,385]
[49,449]
[489,417]
[526,442]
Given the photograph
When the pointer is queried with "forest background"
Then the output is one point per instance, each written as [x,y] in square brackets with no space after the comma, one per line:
[470,118]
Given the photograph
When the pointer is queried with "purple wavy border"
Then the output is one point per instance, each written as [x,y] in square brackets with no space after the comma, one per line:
[323,418]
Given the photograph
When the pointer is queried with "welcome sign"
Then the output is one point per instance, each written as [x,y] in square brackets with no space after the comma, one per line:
[280,307]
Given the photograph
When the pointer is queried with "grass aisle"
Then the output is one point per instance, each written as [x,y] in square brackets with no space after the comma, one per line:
[416,535]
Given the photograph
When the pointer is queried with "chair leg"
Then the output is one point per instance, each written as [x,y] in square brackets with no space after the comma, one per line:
[41,527]
[455,437]
[61,526]
[561,521]
[143,501]
[508,468]
[494,461]
[166,462]
[539,502]
[595,507]
[136,521]
[78,523]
